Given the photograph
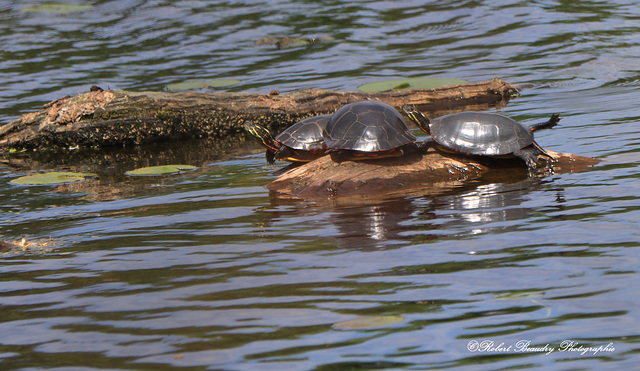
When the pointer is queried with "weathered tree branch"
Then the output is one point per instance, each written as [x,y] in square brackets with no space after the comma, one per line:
[429,173]
[116,117]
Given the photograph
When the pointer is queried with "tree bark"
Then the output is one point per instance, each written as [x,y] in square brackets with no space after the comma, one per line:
[415,174]
[117,117]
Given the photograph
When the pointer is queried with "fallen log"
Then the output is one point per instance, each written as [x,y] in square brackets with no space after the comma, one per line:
[415,174]
[118,117]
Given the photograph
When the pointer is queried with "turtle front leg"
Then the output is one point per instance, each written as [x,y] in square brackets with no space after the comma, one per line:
[338,155]
[424,146]
[270,156]
[530,156]
[542,151]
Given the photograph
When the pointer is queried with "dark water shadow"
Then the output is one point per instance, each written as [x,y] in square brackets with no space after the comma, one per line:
[115,161]
[111,163]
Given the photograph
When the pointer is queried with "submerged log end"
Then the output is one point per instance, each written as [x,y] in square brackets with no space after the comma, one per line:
[431,173]
[570,163]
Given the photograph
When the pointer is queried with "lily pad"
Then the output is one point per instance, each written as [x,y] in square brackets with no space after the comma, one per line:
[292,42]
[519,295]
[160,170]
[201,84]
[410,83]
[367,323]
[53,177]
[57,8]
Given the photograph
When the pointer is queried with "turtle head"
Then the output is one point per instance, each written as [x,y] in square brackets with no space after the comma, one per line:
[418,118]
[263,135]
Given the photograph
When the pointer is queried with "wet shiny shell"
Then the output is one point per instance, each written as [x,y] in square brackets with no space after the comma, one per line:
[367,126]
[480,133]
[305,135]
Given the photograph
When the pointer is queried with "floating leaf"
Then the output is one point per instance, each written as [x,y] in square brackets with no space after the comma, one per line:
[519,295]
[160,170]
[57,8]
[186,85]
[201,84]
[221,83]
[410,83]
[292,42]
[53,177]
[405,85]
[368,323]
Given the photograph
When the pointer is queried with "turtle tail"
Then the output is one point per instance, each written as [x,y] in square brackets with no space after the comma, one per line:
[553,121]
[418,118]
[263,136]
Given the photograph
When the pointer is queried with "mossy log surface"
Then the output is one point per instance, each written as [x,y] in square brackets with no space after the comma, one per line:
[414,174]
[117,117]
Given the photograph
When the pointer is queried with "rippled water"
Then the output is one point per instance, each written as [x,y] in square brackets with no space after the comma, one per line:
[209,270]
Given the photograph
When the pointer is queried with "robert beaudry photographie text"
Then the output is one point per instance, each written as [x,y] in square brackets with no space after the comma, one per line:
[524,346]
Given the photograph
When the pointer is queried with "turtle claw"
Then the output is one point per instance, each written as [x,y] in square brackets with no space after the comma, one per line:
[271,157]
[536,169]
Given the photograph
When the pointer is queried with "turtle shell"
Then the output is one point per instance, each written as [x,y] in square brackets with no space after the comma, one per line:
[480,133]
[305,135]
[367,126]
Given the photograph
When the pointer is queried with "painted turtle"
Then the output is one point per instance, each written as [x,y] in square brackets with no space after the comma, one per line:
[485,134]
[300,142]
[367,130]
